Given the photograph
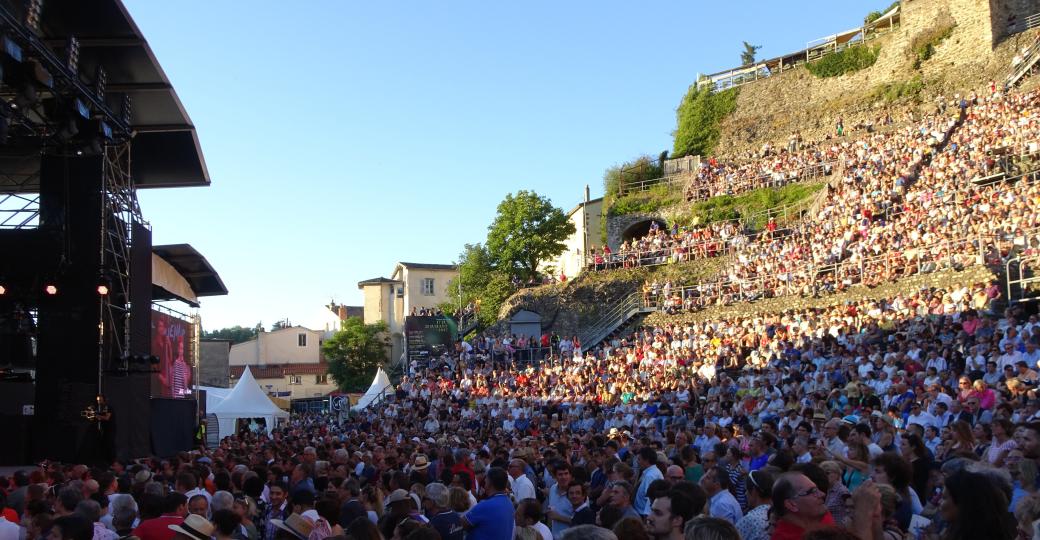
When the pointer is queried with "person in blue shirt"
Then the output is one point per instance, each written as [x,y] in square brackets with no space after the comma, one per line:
[650,472]
[492,518]
[443,519]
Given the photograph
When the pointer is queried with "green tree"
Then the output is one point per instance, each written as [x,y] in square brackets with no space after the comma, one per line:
[355,353]
[527,229]
[698,118]
[284,323]
[237,334]
[748,56]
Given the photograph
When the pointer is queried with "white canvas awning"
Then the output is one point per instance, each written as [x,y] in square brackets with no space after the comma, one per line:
[379,388]
[246,400]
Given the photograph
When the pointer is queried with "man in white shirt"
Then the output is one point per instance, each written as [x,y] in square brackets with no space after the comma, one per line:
[519,483]
[1009,358]
[920,417]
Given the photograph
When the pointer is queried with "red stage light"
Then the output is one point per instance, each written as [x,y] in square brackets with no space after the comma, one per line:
[51,289]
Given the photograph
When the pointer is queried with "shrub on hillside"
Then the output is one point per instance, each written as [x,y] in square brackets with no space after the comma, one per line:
[849,60]
[698,118]
[923,45]
[909,90]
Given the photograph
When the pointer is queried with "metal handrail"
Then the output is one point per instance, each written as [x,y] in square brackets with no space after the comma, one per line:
[695,193]
[763,180]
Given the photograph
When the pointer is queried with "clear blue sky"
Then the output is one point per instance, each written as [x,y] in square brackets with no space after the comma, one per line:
[342,137]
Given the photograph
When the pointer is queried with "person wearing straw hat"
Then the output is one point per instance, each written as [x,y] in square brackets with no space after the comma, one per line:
[294,527]
[194,527]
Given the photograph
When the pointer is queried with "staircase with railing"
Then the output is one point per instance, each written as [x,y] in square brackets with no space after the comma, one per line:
[617,316]
[1023,68]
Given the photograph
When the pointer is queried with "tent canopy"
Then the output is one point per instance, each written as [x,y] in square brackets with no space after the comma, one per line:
[376,391]
[246,400]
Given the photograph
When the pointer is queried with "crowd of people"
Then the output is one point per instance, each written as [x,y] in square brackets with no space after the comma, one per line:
[905,202]
[771,167]
[910,416]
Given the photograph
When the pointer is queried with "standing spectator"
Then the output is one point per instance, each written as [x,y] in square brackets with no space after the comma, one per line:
[669,515]
[798,506]
[721,503]
[559,509]
[755,523]
[443,519]
[649,472]
[490,518]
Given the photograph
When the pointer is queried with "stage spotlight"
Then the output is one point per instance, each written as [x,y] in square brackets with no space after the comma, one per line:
[128,109]
[3,290]
[103,285]
[51,289]
[100,82]
[32,14]
[72,51]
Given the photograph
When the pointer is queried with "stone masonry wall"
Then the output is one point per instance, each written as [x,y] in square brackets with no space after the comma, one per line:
[770,110]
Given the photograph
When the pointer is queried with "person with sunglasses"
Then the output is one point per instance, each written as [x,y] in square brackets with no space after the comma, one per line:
[799,507]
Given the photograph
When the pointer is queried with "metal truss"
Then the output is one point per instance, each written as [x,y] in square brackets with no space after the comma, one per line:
[119,212]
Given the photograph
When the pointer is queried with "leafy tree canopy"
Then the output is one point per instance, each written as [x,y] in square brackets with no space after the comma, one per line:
[355,353]
[747,57]
[527,229]
[698,118]
[237,334]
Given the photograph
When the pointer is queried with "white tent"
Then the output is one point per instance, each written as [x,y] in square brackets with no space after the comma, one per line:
[246,400]
[214,395]
[379,388]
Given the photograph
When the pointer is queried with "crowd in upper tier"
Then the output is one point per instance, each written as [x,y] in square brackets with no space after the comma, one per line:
[908,201]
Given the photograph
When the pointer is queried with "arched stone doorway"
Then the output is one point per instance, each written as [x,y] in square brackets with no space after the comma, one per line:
[640,229]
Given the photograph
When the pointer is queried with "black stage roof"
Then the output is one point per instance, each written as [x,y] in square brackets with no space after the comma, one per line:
[193,267]
[165,151]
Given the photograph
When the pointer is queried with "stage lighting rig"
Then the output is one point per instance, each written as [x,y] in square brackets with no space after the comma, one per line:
[72,54]
[127,111]
[32,15]
[100,82]
[25,76]
[104,286]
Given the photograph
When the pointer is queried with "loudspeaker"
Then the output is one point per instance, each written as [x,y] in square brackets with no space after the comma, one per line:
[173,426]
[128,398]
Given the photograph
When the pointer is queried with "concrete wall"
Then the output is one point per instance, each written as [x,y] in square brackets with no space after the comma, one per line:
[213,362]
[278,347]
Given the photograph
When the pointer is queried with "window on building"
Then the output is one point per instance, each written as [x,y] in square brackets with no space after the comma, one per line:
[295,379]
[427,286]
[321,379]
[301,340]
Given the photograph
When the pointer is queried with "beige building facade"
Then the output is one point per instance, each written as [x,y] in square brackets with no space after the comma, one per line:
[286,363]
[410,288]
[586,218]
